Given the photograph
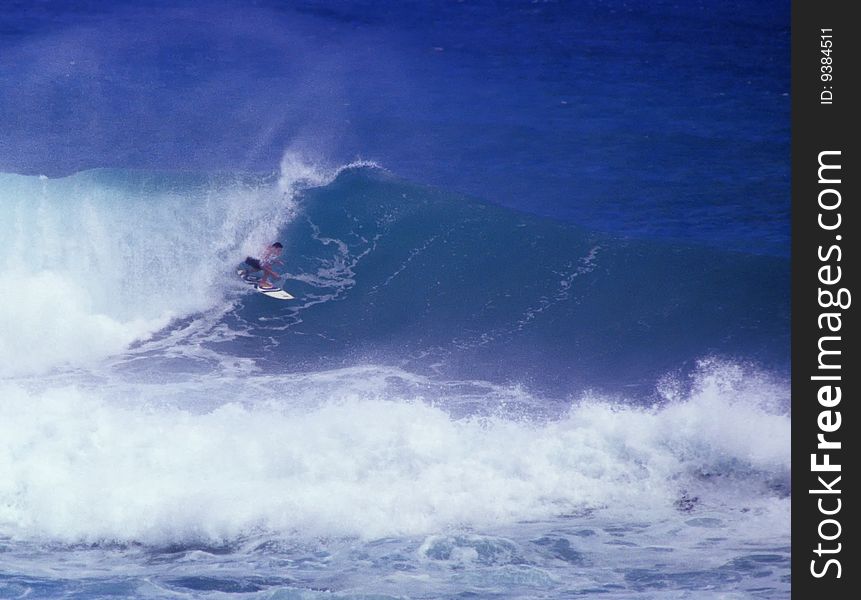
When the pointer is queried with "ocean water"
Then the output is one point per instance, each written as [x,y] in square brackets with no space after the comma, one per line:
[540,340]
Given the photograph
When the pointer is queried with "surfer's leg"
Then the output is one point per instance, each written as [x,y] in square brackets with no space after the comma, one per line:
[253,265]
[267,274]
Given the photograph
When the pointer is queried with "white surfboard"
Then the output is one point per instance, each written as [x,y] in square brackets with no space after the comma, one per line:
[273,292]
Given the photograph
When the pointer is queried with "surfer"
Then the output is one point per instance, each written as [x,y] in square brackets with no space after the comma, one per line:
[264,263]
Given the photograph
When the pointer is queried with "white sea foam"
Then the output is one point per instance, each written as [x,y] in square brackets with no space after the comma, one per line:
[117,463]
[94,261]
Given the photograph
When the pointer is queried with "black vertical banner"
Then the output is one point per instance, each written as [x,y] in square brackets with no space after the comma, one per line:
[826,369]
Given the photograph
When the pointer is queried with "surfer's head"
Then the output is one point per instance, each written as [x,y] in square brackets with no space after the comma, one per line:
[277,245]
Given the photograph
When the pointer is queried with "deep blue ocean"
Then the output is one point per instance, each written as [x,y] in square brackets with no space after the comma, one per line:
[539,346]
